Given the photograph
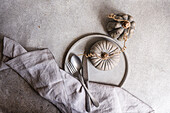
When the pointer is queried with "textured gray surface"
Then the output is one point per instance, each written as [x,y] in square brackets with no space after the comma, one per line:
[17,97]
[54,24]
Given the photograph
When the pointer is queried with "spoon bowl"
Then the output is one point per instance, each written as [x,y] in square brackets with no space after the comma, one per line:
[75,60]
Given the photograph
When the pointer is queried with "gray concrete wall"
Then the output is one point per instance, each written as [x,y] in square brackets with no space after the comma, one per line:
[54,24]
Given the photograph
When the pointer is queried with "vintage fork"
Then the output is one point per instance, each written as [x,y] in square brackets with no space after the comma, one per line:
[75,72]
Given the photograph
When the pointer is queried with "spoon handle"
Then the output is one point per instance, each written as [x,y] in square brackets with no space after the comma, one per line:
[94,101]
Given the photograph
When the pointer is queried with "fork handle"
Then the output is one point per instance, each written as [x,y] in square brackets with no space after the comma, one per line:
[94,101]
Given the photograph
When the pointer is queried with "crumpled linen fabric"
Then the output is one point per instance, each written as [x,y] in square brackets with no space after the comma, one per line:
[41,71]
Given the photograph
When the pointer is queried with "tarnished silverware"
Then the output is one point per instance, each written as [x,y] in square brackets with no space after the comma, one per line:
[75,72]
[86,79]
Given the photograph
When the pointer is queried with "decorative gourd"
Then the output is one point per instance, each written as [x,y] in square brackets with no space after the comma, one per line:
[104,55]
[121,26]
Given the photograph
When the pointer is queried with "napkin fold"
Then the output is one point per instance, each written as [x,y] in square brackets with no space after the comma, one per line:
[41,71]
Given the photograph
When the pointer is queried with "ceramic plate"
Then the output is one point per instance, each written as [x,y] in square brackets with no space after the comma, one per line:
[116,76]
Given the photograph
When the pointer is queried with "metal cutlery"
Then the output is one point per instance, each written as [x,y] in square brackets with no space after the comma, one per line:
[86,79]
[75,72]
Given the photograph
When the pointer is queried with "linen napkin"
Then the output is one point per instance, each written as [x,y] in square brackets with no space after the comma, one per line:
[41,71]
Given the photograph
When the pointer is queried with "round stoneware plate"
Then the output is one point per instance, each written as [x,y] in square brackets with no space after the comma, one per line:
[116,76]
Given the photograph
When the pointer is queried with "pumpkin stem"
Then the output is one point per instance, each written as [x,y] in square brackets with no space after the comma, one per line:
[126,24]
[104,55]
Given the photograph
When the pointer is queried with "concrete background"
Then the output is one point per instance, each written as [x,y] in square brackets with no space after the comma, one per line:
[54,24]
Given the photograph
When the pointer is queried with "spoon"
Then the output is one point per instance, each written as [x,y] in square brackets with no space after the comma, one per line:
[75,60]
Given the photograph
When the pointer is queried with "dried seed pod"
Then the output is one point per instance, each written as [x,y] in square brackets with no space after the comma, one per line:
[121,25]
[107,55]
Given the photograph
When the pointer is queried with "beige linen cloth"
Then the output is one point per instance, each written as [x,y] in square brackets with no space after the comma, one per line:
[41,71]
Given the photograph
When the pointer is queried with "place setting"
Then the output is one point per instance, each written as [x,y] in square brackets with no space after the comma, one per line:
[101,54]
[111,70]
[99,58]
[95,68]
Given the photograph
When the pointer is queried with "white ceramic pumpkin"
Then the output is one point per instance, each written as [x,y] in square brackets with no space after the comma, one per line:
[105,55]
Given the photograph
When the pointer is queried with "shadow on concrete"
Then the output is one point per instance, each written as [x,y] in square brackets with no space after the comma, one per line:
[1,46]
[104,11]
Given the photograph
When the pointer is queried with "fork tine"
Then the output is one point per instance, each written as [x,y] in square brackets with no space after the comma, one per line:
[74,69]
[69,68]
